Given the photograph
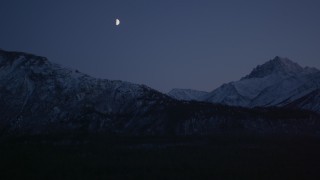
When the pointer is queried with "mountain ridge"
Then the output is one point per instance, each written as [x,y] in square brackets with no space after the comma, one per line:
[186,94]
[42,98]
[277,82]
[276,65]
[269,84]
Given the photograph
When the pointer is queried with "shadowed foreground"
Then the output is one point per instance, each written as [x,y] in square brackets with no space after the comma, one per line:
[162,158]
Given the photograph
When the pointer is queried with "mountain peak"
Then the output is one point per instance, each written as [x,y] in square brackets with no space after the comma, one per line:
[278,65]
[283,61]
[12,56]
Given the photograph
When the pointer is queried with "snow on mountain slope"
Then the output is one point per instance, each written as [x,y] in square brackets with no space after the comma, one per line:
[275,83]
[186,94]
[227,94]
[33,89]
[310,101]
[278,65]
[38,97]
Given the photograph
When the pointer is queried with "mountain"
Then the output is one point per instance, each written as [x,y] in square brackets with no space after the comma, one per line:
[310,101]
[275,83]
[186,94]
[38,97]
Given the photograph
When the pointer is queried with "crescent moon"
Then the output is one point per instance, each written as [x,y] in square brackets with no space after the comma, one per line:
[117,22]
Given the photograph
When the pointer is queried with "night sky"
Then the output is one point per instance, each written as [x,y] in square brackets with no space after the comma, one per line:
[164,44]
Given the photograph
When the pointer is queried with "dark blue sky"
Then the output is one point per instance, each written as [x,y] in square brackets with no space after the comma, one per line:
[164,44]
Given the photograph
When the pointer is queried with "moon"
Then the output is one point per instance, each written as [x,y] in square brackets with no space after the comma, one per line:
[117,22]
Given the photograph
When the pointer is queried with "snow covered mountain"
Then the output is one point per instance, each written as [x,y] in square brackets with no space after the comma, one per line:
[186,94]
[35,94]
[38,97]
[275,83]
